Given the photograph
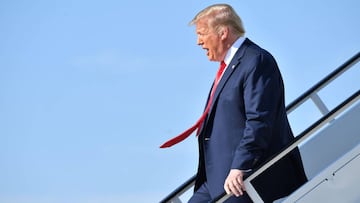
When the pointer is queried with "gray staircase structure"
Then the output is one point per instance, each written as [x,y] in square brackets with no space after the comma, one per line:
[332,162]
[338,138]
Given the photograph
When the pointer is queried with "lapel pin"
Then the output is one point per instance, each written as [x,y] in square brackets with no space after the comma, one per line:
[233,66]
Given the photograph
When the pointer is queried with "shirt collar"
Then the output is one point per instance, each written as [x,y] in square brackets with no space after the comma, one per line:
[233,49]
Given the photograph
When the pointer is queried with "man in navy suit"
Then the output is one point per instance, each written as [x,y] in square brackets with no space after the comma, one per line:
[247,122]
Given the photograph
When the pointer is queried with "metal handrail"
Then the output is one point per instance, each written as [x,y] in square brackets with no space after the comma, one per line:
[322,83]
[180,190]
[289,108]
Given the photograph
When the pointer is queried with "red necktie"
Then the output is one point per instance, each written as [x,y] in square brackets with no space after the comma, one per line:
[198,124]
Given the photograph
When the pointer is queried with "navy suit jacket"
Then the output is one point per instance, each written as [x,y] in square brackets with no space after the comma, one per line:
[246,125]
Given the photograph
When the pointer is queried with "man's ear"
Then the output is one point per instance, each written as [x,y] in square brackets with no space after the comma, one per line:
[224,32]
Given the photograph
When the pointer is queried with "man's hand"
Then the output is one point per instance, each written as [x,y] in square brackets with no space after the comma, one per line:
[234,183]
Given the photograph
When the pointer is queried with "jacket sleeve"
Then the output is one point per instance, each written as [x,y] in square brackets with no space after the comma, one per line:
[262,92]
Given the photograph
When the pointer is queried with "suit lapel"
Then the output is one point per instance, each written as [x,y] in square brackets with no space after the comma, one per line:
[235,62]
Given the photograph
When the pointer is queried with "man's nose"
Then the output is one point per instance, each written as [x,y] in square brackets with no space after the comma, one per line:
[199,41]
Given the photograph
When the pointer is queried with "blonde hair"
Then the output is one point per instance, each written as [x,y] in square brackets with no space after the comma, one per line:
[219,15]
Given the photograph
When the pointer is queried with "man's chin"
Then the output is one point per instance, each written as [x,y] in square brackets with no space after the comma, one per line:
[210,58]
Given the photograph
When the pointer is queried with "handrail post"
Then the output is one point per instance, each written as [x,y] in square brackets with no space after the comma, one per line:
[319,103]
[250,190]
[176,200]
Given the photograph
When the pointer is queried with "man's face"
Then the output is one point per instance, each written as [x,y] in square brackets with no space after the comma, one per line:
[209,40]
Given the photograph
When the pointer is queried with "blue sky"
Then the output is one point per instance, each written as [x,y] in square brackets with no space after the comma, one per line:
[90,89]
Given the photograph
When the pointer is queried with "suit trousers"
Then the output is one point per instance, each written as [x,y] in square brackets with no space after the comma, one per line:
[202,195]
